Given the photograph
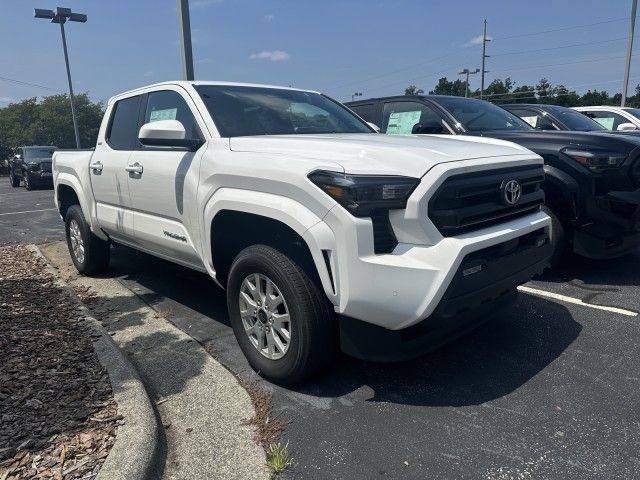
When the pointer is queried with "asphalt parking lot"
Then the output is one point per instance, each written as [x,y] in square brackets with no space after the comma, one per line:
[546,389]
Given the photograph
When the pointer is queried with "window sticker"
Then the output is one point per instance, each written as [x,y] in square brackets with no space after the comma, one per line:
[401,123]
[606,122]
[166,114]
[533,121]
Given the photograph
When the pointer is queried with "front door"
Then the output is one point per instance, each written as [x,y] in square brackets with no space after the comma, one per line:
[163,183]
[109,178]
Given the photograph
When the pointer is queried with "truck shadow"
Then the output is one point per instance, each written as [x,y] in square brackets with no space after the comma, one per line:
[488,363]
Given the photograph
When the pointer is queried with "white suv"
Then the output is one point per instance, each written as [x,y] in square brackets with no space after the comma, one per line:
[617,119]
[324,234]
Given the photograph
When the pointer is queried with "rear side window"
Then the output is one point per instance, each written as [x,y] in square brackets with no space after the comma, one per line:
[537,120]
[169,105]
[404,118]
[367,112]
[123,131]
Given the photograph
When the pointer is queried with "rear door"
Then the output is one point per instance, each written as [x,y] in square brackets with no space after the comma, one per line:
[164,186]
[109,179]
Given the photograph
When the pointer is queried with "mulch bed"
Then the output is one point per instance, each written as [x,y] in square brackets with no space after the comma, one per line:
[58,418]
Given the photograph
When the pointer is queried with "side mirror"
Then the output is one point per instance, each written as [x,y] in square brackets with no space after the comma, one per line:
[623,127]
[166,133]
[374,126]
[430,128]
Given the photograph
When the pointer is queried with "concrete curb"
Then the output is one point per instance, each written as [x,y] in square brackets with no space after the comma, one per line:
[138,451]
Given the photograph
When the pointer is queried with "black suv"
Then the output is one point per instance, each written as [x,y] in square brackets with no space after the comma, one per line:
[592,183]
[32,165]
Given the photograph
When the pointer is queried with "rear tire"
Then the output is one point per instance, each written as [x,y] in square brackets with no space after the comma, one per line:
[15,182]
[27,182]
[89,254]
[558,238]
[312,329]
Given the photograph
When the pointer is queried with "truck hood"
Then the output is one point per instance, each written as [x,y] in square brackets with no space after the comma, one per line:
[380,154]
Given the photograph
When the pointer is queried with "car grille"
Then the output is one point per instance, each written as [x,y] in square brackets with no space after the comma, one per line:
[475,200]
[45,166]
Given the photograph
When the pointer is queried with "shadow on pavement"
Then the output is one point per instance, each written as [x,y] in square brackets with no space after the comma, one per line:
[613,272]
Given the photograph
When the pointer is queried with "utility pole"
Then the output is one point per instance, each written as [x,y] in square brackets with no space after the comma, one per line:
[484,57]
[627,65]
[468,72]
[184,26]
[61,16]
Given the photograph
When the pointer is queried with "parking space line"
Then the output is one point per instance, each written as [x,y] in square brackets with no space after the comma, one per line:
[27,211]
[575,301]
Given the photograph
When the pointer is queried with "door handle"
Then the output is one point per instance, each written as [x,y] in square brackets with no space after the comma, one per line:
[135,168]
[96,166]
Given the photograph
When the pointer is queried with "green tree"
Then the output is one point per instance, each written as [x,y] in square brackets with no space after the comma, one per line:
[413,90]
[447,87]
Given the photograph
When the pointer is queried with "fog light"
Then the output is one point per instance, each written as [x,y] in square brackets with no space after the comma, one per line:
[471,270]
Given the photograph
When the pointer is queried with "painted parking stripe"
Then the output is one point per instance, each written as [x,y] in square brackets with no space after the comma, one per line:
[27,211]
[575,301]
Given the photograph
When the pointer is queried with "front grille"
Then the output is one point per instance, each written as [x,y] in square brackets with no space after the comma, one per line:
[46,166]
[471,201]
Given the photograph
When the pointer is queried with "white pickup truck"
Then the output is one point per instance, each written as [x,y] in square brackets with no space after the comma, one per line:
[324,233]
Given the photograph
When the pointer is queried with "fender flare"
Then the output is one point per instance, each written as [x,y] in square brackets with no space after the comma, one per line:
[72,182]
[310,227]
[566,187]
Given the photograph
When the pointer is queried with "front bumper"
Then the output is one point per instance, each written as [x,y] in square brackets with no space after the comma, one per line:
[485,281]
[40,178]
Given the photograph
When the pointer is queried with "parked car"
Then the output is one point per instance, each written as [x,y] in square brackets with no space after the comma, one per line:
[554,117]
[592,184]
[323,233]
[613,118]
[32,166]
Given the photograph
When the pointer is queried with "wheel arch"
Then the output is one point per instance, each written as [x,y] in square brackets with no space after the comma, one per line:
[561,193]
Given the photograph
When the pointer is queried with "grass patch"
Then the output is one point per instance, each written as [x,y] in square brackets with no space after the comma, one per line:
[278,459]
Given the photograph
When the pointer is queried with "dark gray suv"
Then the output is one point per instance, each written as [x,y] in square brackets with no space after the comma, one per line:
[32,166]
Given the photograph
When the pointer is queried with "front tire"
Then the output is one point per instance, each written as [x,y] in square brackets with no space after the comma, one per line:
[27,182]
[281,319]
[558,238]
[89,254]
[15,182]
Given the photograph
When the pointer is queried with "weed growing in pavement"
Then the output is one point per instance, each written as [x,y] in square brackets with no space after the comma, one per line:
[278,459]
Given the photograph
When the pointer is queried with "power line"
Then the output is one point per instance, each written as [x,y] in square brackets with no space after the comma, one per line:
[559,47]
[530,67]
[562,29]
[28,84]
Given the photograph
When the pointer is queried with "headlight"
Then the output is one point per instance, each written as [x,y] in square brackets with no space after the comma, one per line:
[594,159]
[362,194]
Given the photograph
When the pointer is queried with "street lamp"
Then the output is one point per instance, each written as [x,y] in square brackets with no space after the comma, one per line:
[61,15]
[468,72]
[355,94]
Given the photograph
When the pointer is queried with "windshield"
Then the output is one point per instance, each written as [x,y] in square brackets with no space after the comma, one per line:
[241,111]
[478,115]
[633,111]
[574,120]
[38,152]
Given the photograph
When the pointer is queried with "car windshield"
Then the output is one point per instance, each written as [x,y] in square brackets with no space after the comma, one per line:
[574,120]
[478,115]
[633,111]
[241,111]
[38,152]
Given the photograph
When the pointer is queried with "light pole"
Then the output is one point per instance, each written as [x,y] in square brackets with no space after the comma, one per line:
[484,57]
[355,94]
[184,25]
[627,65]
[468,72]
[61,15]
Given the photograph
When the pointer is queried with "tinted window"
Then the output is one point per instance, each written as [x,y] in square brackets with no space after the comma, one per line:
[169,105]
[123,132]
[404,118]
[240,111]
[38,152]
[533,118]
[633,111]
[608,120]
[574,120]
[367,111]
[478,115]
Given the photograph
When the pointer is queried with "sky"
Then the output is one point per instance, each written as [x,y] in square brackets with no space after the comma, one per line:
[339,47]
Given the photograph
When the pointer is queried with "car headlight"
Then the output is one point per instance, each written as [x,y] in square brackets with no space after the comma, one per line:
[362,194]
[595,159]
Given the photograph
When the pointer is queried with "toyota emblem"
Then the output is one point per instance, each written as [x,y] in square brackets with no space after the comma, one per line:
[511,192]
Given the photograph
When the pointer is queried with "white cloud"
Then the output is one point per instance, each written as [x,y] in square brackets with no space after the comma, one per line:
[274,56]
[269,18]
[475,41]
[7,100]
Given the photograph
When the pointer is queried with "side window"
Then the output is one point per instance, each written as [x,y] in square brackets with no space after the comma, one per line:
[537,120]
[169,105]
[608,120]
[367,112]
[404,118]
[123,129]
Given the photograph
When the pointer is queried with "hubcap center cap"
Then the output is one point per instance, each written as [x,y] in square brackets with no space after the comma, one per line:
[263,317]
